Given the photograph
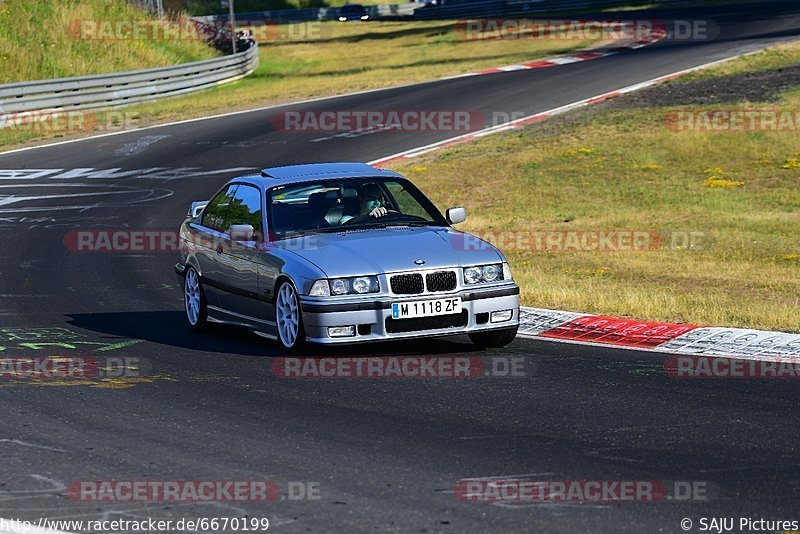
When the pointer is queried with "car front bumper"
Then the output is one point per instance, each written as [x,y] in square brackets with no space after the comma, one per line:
[376,316]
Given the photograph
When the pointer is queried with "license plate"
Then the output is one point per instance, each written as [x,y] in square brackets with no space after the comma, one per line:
[426,308]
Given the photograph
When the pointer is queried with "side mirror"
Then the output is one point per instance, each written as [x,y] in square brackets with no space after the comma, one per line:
[456,215]
[242,232]
[197,208]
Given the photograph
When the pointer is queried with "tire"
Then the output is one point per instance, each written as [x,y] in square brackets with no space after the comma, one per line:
[194,300]
[289,318]
[494,338]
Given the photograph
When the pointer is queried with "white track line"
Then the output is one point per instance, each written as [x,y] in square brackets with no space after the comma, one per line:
[410,153]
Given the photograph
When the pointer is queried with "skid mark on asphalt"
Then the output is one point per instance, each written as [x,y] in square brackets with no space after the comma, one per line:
[33,445]
[62,222]
[497,436]
[636,368]
[138,146]
[95,196]
[603,454]
[53,488]
[62,183]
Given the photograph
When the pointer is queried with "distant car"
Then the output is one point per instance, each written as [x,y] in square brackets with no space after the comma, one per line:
[353,12]
[341,253]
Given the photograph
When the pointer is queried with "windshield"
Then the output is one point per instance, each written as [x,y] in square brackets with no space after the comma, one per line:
[344,204]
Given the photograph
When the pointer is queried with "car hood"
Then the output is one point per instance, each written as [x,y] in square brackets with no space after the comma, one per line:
[373,251]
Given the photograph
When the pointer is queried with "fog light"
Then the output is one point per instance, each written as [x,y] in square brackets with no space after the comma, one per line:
[341,331]
[502,315]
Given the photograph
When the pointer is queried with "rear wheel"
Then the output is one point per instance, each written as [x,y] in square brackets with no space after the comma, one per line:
[288,318]
[494,338]
[195,300]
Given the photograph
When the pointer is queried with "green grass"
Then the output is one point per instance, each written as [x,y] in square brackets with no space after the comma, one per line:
[623,169]
[772,58]
[36,42]
[326,58]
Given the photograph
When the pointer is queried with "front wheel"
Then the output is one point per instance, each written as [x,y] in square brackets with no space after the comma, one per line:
[494,338]
[195,300]
[288,318]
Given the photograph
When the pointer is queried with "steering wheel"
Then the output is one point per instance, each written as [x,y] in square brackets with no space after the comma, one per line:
[367,217]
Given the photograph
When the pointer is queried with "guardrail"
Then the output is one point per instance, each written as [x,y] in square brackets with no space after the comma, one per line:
[123,88]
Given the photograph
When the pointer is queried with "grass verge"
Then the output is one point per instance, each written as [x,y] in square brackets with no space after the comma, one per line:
[617,168]
[776,57]
[37,41]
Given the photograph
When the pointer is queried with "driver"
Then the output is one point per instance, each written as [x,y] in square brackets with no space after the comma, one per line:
[371,202]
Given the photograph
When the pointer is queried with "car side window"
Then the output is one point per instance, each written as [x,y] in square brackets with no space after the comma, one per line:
[246,208]
[215,215]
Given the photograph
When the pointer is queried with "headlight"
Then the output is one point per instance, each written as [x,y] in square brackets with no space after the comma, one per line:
[507,272]
[365,284]
[345,286]
[491,272]
[472,275]
[321,288]
[484,273]
[340,286]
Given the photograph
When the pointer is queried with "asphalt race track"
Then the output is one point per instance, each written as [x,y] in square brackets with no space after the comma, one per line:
[385,454]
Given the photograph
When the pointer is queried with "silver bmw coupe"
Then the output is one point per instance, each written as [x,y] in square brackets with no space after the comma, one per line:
[341,253]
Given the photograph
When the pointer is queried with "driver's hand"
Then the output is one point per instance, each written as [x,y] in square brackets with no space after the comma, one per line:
[378,212]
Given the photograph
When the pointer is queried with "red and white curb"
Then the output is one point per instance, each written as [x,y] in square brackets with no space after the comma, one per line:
[658,35]
[524,121]
[587,329]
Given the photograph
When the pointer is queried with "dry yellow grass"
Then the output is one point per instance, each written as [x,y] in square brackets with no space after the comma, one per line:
[625,170]
[774,57]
